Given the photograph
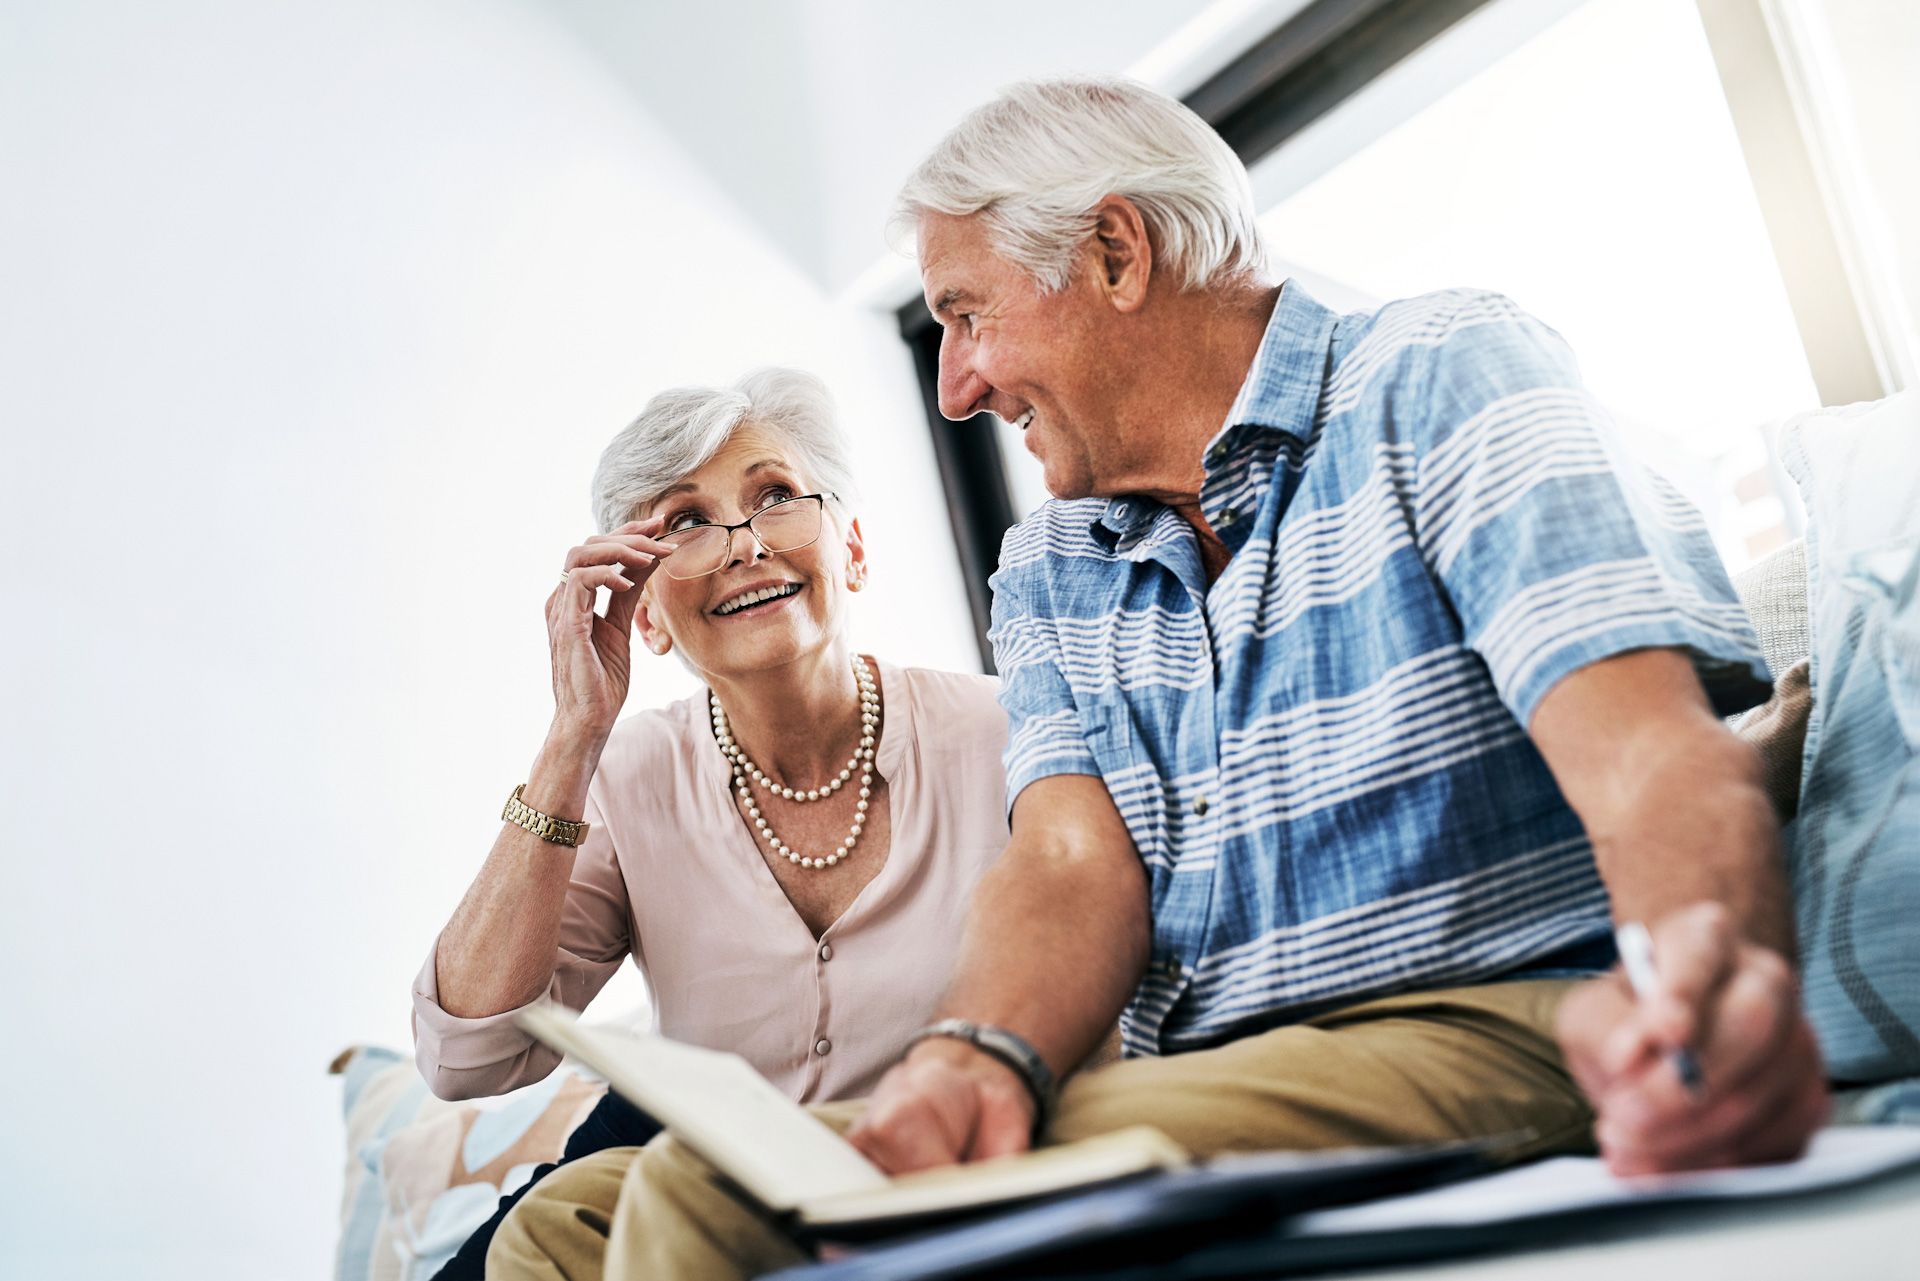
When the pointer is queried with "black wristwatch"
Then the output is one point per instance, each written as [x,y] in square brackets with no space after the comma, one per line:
[1009,1048]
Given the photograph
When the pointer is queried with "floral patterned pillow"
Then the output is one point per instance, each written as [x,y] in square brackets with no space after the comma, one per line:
[423,1173]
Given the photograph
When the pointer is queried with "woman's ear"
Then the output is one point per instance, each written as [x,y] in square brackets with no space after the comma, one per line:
[652,635]
[856,556]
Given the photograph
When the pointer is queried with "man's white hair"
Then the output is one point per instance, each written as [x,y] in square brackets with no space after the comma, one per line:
[683,427]
[1035,161]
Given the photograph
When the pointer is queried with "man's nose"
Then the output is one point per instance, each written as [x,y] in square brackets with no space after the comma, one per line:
[961,387]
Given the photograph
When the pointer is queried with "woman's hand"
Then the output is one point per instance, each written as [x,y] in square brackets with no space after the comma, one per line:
[592,656]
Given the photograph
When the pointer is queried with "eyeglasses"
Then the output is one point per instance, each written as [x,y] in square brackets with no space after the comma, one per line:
[785,526]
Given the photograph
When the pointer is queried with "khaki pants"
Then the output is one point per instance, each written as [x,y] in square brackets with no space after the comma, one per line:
[1454,1064]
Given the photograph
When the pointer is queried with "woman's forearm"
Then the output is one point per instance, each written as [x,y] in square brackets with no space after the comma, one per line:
[497,951]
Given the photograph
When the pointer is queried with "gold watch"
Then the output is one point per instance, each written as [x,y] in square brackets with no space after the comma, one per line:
[557,831]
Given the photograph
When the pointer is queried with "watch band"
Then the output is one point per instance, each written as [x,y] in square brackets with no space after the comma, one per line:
[1009,1048]
[556,831]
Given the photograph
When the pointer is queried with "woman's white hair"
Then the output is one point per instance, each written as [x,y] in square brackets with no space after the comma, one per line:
[681,428]
[1035,161]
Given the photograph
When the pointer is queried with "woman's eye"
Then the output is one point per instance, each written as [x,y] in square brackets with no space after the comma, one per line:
[777,494]
[685,520]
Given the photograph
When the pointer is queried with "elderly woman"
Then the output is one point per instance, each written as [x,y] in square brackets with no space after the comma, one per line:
[787,855]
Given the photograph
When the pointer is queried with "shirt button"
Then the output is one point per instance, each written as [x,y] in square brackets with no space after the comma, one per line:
[822,1046]
[826,951]
[1171,967]
[1200,805]
[1218,454]
[1227,517]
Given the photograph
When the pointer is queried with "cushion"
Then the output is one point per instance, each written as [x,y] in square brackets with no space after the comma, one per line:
[1774,592]
[1854,849]
[423,1173]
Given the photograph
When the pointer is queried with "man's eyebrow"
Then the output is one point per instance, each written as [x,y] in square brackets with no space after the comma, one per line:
[948,297]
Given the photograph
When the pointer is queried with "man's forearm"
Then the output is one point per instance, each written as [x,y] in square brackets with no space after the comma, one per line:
[1055,944]
[1698,827]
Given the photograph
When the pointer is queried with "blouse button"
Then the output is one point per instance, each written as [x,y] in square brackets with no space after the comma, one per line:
[822,1045]
[826,951]
[1200,806]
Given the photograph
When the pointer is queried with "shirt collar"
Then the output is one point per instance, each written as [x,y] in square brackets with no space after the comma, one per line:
[1281,391]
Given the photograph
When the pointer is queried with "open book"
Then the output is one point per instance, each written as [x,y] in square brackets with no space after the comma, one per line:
[781,1156]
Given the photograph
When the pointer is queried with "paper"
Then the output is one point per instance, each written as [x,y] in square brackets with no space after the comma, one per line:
[718,1106]
[1842,1155]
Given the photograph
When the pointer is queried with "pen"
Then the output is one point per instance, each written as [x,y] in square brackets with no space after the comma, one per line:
[1636,956]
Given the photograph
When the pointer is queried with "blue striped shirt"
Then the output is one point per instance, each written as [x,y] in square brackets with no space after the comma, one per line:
[1321,756]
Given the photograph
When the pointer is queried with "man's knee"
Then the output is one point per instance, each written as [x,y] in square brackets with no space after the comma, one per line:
[559,1228]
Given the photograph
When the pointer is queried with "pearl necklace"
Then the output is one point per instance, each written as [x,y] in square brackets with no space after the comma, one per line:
[862,759]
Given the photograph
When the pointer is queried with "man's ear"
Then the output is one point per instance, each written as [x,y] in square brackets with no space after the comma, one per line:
[1122,251]
[652,635]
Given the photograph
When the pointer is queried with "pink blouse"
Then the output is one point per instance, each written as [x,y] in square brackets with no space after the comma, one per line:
[670,875]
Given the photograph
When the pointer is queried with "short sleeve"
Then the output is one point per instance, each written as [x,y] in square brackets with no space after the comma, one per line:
[1555,549]
[464,1058]
[1044,731]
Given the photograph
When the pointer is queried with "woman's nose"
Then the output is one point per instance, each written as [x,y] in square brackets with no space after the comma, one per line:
[744,537]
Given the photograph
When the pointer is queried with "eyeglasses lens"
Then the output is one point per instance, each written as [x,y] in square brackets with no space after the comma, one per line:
[784,527]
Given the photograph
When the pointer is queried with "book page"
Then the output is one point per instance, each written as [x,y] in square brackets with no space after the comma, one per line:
[1135,1150]
[716,1104]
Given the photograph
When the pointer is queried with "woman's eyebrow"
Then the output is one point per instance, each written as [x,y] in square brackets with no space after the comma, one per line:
[765,464]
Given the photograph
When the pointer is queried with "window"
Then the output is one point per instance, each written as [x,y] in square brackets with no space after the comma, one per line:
[1613,165]
[1593,174]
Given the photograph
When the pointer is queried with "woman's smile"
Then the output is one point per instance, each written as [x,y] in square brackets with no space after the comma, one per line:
[756,601]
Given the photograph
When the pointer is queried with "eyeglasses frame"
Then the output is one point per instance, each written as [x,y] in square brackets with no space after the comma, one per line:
[747,524]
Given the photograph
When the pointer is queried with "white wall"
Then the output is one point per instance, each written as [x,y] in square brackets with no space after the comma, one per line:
[314,320]
[811,112]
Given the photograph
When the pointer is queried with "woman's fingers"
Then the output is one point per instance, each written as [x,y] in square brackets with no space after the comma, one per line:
[639,542]
[574,598]
[611,553]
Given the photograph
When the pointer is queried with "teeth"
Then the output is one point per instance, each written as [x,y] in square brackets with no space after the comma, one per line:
[745,599]
[1024,420]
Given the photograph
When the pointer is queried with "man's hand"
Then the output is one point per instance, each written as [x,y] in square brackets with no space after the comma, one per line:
[1736,1007]
[944,1104]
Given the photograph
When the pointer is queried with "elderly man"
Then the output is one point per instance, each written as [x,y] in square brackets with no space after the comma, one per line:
[1357,686]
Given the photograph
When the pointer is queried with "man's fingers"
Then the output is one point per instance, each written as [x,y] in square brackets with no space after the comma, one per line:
[904,1142]
[1694,952]
[1787,1138]
[1665,1129]
[1004,1128]
[913,1125]
[1757,1010]
[1600,1033]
